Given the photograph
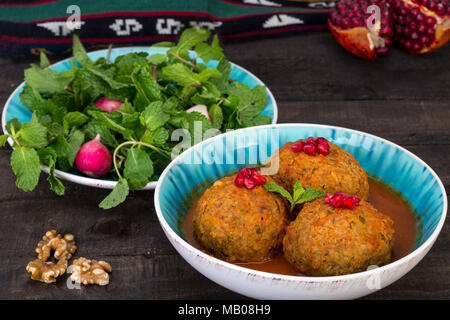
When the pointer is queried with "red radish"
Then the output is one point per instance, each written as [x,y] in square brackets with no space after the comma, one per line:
[108,104]
[94,159]
[200,108]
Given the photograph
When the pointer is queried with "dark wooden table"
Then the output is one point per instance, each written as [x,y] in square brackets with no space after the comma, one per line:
[403,98]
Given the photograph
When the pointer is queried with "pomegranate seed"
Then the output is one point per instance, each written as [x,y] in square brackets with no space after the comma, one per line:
[310,149]
[254,172]
[414,36]
[408,44]
[424,39]
[349,203]
[420,17]
[341,200]
[249,183]
[414,11]
[440,9]
[259,180]
[416,47]
[386,31]
[321,140]
[247,172]
[298,147]
[239,180]
[345,23]
[407,31]
[422,28]
[311,140]
[431,21]
[323,149]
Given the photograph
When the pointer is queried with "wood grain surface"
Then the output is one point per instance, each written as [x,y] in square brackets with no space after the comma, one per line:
[403,98]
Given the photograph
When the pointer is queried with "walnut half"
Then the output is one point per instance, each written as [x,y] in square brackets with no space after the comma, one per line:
[64,247]
[46,271]
[90,271]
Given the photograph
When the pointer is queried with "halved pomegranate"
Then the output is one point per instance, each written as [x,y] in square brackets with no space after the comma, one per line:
[418,26]
[421,25]
[353,26]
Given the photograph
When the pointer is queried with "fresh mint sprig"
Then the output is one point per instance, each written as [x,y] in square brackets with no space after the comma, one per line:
[299,196]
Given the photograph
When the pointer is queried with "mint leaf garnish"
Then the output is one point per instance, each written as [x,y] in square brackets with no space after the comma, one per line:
[299,196]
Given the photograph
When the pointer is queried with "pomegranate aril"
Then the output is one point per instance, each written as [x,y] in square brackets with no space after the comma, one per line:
[249,183]
[259,180]
[321,140]
[414,11]
[311,140]
[348,203]
[431,21]
[239,180]
[247,172]
[345,23]
[254,172]
[309,149]
[298,147]
[323,149]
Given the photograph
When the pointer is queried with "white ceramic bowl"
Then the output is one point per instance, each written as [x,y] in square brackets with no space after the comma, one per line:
[392,163]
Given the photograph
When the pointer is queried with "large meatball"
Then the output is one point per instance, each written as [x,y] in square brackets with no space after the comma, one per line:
[326,241]
[338,171]
[240,225]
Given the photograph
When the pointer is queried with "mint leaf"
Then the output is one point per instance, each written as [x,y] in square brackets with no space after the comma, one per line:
[73,119]
[44,62]
[163,44]
[252,101]
[48,156]
[310,194]
[207,52]
[300,195]
[75,141]
[179,73]
[79,52]
[94,127]
[157,59]
[273,187]
[3,139]
[13,125]
[138,165]
[188,39]
[298,191]
[33,135]
[107,120]
[26,166]
[224,68]
[208,73]
[156,137]
[216,116]
[146,86]
[154,116]
[46,81]
[117,195]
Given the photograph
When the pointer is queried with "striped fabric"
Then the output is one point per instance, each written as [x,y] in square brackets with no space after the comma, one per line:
[27,26]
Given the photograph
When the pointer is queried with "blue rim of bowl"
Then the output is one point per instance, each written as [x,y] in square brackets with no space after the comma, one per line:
[110,184]
[428,243]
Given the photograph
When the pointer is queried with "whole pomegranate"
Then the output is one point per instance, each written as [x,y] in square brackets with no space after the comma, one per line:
[418,26]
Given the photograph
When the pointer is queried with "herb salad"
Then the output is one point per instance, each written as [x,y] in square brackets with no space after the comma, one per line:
[155,91]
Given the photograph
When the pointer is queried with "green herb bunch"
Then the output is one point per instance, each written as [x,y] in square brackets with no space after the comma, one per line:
[156,91]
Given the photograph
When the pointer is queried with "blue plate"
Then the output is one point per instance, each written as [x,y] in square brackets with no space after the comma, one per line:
[221,155]
[14,108]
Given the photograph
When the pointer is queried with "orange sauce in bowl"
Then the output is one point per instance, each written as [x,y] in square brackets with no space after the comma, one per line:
[407,228]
